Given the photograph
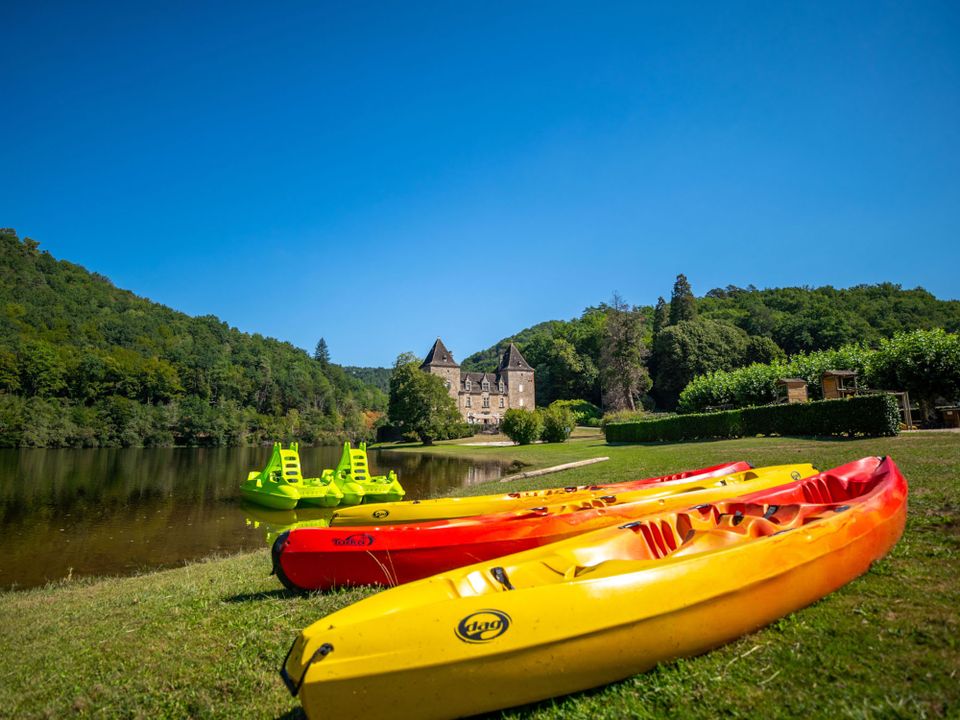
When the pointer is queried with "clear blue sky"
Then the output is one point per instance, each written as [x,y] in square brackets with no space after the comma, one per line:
[380,174]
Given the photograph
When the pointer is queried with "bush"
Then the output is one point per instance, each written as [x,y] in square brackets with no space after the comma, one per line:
[455,431]
[583,411]
[868,415]
[558,422]
[521,426]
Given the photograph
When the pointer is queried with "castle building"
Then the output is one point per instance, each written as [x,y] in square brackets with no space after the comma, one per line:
[483,398]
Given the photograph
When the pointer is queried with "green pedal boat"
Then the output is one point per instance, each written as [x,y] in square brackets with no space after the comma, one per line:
[357,485]
[281,485]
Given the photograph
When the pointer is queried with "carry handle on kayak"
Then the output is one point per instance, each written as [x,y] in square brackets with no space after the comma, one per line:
[294,687]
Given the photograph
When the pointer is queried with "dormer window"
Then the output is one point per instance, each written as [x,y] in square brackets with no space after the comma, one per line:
[501,387]
[467,384]
[485,386]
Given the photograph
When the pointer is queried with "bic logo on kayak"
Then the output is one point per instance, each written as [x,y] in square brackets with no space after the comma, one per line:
[359,540]
[483,626]
[380,513]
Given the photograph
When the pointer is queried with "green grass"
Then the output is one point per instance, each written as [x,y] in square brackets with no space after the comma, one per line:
[205,640]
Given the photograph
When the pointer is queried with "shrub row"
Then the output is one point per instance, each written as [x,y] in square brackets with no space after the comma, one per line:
[757,384]
[926,363]
[868,415]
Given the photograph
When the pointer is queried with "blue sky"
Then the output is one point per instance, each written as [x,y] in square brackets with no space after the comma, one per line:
[380,174]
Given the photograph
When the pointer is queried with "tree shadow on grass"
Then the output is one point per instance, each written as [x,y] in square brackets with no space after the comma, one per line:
[278,594]
[293,714]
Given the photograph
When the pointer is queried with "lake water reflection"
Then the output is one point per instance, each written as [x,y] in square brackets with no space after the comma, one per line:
[119,511]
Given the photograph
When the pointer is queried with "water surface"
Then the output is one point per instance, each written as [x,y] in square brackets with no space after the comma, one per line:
[119,511]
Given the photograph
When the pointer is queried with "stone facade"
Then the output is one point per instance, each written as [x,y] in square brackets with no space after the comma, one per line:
[483,397]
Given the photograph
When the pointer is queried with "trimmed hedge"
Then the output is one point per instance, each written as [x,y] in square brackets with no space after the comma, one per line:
[868,415]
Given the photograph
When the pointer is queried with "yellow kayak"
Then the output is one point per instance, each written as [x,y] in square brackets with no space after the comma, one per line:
[598,607]
[453,507]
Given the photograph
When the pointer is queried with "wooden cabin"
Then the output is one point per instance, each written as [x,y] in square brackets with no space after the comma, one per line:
[950,415]
[839,384]
[792,390]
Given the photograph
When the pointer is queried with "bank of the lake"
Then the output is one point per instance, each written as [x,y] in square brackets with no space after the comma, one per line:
[205,640]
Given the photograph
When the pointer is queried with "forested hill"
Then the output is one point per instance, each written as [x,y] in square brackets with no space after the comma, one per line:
[740,325]
[83,363]
[377,377]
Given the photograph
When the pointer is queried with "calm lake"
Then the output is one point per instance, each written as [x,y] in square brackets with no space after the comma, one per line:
[119,511]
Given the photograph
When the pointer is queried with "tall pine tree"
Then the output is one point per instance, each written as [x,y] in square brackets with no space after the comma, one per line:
[683,306]
[322,353]
[661,316]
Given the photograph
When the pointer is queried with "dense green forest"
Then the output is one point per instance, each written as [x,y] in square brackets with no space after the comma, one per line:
[83,363]
[726,328]
[378,377]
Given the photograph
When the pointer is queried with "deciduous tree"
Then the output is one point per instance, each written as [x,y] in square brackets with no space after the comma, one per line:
[419,402]
[691,348]
[623,373]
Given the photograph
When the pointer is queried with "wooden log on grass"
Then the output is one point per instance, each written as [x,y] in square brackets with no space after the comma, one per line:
[555,468]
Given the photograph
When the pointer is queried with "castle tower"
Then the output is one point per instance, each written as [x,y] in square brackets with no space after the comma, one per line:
[517,376]
[439,361]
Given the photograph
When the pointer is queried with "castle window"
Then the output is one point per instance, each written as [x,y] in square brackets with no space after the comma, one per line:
[447,384]
[468,402]
[521,402]
[520,389]
[485,386]
[467,384]
[486,401]
[501,402]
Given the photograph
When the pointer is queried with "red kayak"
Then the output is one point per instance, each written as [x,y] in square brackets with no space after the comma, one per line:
[321,558]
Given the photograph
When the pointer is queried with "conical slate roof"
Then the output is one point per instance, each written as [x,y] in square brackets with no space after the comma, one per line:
[439,356]
[513,360]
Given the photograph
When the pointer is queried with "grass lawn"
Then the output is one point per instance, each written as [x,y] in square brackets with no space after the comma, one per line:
[205,640]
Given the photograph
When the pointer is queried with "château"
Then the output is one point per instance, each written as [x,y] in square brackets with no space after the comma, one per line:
[483,398]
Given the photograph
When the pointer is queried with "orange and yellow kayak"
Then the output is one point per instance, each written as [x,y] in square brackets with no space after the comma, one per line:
[598,607]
